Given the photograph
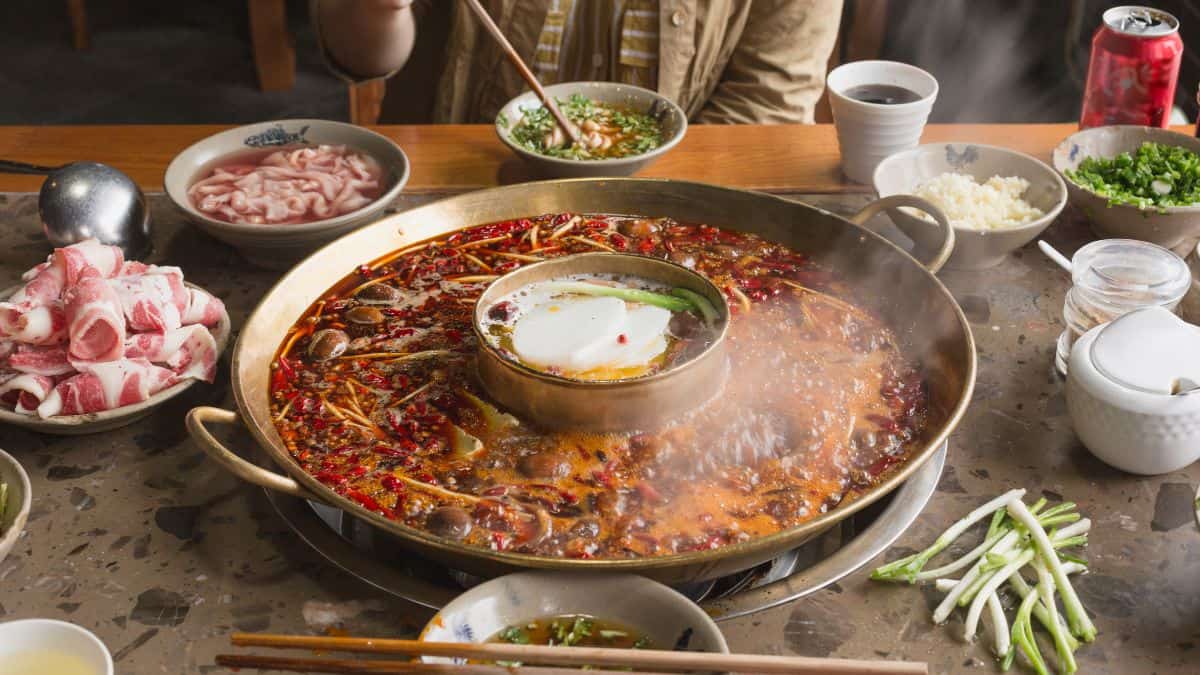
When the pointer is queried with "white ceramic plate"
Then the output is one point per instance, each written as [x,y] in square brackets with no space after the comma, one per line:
[90,423]
[17,502]
[654,610]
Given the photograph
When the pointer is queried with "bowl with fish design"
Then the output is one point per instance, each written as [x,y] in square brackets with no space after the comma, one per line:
[1002,225]
[279,190]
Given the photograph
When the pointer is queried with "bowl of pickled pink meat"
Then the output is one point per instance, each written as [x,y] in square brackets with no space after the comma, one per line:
[279,190]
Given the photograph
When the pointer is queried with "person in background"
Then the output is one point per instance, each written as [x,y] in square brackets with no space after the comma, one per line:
[722,61]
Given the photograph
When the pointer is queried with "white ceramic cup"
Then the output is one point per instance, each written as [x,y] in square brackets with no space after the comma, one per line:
[31,635]
[868,132]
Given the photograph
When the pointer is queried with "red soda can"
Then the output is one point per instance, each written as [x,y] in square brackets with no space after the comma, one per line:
[1134,68]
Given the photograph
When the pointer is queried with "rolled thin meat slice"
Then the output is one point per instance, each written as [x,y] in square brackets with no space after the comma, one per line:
[203,308]
[43,286]
[132,267]
[6,347]
[48,360]
[95,321]
[105,386]
[44,325]
[74,259]
[153,300]
[24,392]
[45,283]
[190,351]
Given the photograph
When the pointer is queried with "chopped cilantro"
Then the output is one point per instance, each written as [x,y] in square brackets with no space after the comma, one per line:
[1155,176]
[637,133]
[515,635]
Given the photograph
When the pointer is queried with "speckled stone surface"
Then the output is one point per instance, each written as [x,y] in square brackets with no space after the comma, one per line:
[135,535]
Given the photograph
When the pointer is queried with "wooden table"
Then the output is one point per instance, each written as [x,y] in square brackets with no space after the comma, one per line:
[454,158]
[137,536]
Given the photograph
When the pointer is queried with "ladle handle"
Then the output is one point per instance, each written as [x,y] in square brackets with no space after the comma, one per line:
[921,232]
[245,470]
[9,166]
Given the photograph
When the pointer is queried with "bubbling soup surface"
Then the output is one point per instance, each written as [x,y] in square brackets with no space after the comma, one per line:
[374,393]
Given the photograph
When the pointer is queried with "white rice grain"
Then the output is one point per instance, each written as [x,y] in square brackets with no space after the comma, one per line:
[993,205]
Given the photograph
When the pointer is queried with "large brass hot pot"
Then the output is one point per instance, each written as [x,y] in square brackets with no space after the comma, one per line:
[919,308]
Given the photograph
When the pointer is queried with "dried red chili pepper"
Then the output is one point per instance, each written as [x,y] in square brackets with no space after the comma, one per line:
[393,484]
[650,493]
[884,423]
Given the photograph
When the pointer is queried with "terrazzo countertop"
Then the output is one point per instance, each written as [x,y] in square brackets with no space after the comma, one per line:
[137,536]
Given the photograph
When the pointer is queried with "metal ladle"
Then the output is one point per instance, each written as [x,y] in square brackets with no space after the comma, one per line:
[89,199]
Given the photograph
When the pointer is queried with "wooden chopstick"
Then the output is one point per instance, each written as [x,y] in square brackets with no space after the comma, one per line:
[386,667]
[580,656]
[526,73]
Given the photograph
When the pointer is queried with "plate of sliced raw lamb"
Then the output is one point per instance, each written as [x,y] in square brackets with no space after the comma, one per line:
[90,341]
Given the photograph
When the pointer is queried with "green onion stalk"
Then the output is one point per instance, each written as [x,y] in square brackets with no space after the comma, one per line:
[1023,589]
[998,577]
[668,302]
[1066,655]
[1023,637]
[1001,525]
[1077,617]
[906,569]
[700,302]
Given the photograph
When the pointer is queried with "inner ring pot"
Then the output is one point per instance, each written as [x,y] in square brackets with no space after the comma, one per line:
[927,321]
[637,403]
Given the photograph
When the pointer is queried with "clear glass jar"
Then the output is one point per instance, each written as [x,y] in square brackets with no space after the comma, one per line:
[1112,277]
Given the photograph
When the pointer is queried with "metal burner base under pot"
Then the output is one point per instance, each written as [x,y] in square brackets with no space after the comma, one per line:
[371,556]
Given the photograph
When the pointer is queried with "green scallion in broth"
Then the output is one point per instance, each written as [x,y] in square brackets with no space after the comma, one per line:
[606,132]
[571,630]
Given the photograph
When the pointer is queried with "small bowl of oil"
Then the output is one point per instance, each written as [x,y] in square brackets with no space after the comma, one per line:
[42,646]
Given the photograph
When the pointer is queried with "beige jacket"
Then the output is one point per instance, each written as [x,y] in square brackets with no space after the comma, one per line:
[722,61]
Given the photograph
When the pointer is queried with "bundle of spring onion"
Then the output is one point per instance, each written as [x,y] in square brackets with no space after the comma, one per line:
[1018,537]
[3,502]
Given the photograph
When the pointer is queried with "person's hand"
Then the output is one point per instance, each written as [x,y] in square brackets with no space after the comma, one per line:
[366,38]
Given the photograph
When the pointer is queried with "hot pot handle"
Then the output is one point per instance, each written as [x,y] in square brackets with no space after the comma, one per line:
[247,471]
[921,236]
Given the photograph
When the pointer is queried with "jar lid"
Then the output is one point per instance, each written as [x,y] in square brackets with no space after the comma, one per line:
[1130,272]
[1149,350]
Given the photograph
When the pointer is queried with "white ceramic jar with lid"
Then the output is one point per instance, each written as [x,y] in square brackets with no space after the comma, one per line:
[1112,277]
[1122,392]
